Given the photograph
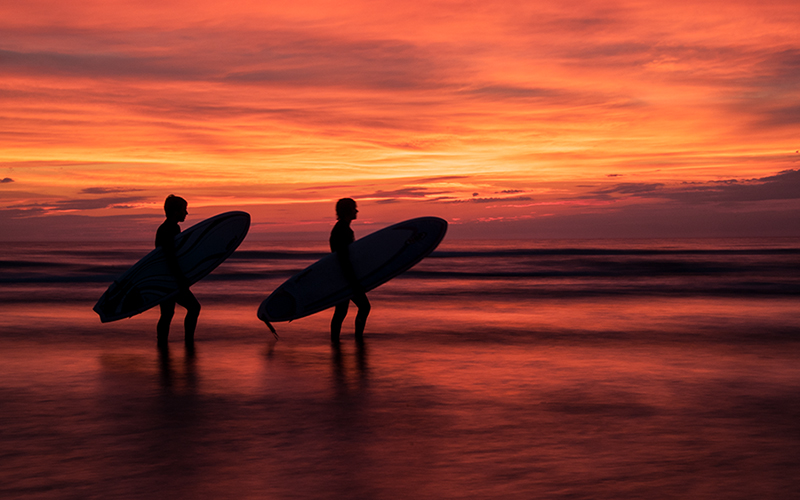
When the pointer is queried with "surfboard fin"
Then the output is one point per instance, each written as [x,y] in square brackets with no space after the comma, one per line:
[272,329]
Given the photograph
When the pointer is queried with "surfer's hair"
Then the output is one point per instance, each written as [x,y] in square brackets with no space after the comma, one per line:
[345,207]
[174,203]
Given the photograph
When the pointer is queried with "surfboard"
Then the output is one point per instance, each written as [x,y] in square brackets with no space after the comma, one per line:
[376,258]
[200,249]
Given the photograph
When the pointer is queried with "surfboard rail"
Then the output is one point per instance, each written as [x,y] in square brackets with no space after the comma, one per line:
[376,258]
[200,249]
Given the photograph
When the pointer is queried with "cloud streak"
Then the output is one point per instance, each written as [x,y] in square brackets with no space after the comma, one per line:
[107,105]
[81,204]
[782,186]
[106,190]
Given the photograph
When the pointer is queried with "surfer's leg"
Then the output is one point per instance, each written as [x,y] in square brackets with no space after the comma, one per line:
[363,311]
[339,313]
[189,301]
[162,328]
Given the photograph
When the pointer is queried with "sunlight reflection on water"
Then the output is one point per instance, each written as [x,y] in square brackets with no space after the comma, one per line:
[582,385]
[399,417]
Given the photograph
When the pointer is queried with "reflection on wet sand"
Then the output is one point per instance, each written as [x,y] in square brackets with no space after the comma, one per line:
[615,370]
[188,376]
[300,419]
[349,372]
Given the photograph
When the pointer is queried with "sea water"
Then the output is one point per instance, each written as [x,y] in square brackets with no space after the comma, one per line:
[511,369]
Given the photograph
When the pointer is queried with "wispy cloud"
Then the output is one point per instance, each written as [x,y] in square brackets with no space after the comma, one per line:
[630,188]
[107,190]
[782,186]
[298,58]
[409,192]
[477,199]
[82,204]
[424,105]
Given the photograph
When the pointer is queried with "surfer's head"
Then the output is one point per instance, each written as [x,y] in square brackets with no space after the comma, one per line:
[176,208]
[346,209]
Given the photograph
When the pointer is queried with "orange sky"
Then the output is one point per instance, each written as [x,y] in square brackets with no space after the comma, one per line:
[508,118]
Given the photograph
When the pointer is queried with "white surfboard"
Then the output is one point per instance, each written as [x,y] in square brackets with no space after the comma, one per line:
[200,249]
[376,258]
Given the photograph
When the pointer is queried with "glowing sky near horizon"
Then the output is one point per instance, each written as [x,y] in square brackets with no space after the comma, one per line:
[480,112]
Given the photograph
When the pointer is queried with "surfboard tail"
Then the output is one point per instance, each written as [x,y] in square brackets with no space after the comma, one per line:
[271,328]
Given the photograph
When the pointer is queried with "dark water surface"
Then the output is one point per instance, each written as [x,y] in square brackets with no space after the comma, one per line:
[557,369]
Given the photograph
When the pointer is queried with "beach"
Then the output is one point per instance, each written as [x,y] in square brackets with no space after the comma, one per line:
[513,369]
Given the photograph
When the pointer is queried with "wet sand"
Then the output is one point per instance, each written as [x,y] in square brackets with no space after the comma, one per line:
[414,413]
[611,370]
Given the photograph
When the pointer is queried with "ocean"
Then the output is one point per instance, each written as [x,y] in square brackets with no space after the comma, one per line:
[493,369]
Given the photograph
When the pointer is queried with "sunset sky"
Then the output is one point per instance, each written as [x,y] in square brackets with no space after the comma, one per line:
[510,119]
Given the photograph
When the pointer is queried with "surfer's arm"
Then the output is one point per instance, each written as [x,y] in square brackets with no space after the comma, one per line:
[172,264]
[343,255]
[165,239]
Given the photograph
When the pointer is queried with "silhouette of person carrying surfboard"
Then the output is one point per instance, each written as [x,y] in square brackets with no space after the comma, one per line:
[341,238]
[175,208]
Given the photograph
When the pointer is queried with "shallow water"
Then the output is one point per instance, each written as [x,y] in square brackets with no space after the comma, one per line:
[548,370]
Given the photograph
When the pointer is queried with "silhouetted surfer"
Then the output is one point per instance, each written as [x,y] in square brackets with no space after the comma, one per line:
[176,209]
[341,237]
